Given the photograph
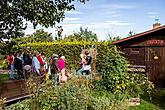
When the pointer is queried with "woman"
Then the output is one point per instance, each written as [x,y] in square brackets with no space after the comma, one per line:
[53,67]
[61,69]
[82,62]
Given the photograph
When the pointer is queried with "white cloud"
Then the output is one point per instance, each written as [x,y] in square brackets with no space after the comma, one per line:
[117,23]
[71,19]
[152,13]
[73,12]
[152,16]
[71,26]
[115,15]
[110,7]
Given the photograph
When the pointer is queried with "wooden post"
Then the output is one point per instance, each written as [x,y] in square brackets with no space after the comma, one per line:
[94,61]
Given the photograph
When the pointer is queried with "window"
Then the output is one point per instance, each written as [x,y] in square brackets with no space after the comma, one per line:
[135,51]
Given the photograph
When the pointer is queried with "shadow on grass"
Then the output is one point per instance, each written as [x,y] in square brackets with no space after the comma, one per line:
[157,101]
[158,98]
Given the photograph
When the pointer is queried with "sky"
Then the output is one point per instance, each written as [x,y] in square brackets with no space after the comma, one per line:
[114,17]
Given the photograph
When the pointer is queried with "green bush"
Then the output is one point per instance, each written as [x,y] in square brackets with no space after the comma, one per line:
[115,77]
[114,71]
[76,94]
[71,50]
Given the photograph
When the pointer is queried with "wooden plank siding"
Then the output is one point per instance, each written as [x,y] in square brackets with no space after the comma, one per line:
[156,67]
[135,55]
[147,49]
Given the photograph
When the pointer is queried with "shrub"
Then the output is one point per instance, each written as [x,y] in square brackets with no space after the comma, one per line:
[71,50]
[115,77]
[76,94]
[113,71]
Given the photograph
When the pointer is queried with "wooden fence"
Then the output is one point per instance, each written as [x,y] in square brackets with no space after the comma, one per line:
[13,90]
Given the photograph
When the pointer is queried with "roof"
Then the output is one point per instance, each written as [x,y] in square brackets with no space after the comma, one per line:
[139,35]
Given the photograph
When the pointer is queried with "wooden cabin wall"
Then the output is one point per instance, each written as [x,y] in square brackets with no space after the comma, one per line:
[135,55]
[155,64]
[144,50]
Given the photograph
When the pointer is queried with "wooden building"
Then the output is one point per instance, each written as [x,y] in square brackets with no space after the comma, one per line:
[147,49]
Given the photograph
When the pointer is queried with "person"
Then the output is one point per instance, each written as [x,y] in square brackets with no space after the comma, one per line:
[45,66]
[36,64]
[41,62]
[18,65]
[26,71]
[27,60]
[53,67]
[87,65]
[10,60]
[82,62]
[61,69]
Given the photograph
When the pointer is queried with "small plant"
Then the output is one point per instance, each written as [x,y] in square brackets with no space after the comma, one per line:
[2,102]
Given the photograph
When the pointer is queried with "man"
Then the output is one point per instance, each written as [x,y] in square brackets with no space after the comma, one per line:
[10,60]
[18,65]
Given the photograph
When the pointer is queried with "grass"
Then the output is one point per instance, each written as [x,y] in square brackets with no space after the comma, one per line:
[157,102]
[145,105]
[4,77]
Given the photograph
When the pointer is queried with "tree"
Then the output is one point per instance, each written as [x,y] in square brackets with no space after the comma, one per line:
[47,13]
[112,39]
[83,34]
[70,38]
[131,33]
[59,31]
[40,36]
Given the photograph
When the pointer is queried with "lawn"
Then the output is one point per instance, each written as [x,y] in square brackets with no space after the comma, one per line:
[157,102]
[4,77]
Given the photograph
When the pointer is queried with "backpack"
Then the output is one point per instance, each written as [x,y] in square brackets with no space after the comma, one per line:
[27,59]
[88,60]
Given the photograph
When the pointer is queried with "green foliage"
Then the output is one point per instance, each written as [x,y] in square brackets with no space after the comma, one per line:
[15,13]
[83,34]
[113,70]
[39,36]
[139,84]
[71,50]
[112,38]
[131,33]
[76,94]
[115,77]
[3,64]
[145,105]
[6,47]
[23,105]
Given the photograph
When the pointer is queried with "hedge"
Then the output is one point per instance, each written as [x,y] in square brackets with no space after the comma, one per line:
[71,50]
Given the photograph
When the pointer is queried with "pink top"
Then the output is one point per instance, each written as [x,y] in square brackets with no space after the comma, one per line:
[61,64]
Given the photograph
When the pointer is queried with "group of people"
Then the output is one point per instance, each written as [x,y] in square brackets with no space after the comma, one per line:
[27,63]
[52,68]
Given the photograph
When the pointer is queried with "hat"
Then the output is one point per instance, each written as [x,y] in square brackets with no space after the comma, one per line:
[63,57]
[54,55]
